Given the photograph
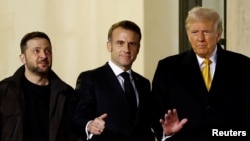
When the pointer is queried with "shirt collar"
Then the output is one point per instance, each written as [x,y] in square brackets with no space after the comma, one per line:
[212,57]
[116,69]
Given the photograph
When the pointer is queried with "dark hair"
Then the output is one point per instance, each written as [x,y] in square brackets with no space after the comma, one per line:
[32,35]
[126,25]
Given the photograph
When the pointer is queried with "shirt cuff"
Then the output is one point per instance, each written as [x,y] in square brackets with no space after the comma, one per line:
[89,136]
[164,137]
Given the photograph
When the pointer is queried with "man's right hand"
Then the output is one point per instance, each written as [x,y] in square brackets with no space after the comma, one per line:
[97,125]
[171,123]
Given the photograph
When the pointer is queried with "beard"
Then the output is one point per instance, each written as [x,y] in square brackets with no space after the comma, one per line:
[41,71]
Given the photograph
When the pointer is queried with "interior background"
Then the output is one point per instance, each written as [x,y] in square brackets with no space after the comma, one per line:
[78,31]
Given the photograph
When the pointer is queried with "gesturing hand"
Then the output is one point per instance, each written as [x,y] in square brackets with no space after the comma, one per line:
[171,123]
[97,125]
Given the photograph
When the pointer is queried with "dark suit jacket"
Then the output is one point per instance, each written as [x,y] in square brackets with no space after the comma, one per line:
[100,92]
[178,83]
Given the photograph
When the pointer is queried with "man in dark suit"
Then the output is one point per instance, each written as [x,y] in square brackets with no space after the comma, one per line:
[220,109]
[103,112]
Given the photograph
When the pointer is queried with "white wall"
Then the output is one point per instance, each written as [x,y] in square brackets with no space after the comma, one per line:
[238,26]
[161,38]
[78,30]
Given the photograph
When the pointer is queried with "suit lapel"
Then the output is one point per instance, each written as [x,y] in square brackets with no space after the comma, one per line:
[192,74]
[113,85]
[191,78]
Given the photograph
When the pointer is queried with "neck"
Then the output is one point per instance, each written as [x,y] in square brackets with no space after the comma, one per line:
[37,79]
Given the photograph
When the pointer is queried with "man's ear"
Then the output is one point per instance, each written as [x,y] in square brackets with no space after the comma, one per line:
[22,58]
[109,47]
[219,37]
